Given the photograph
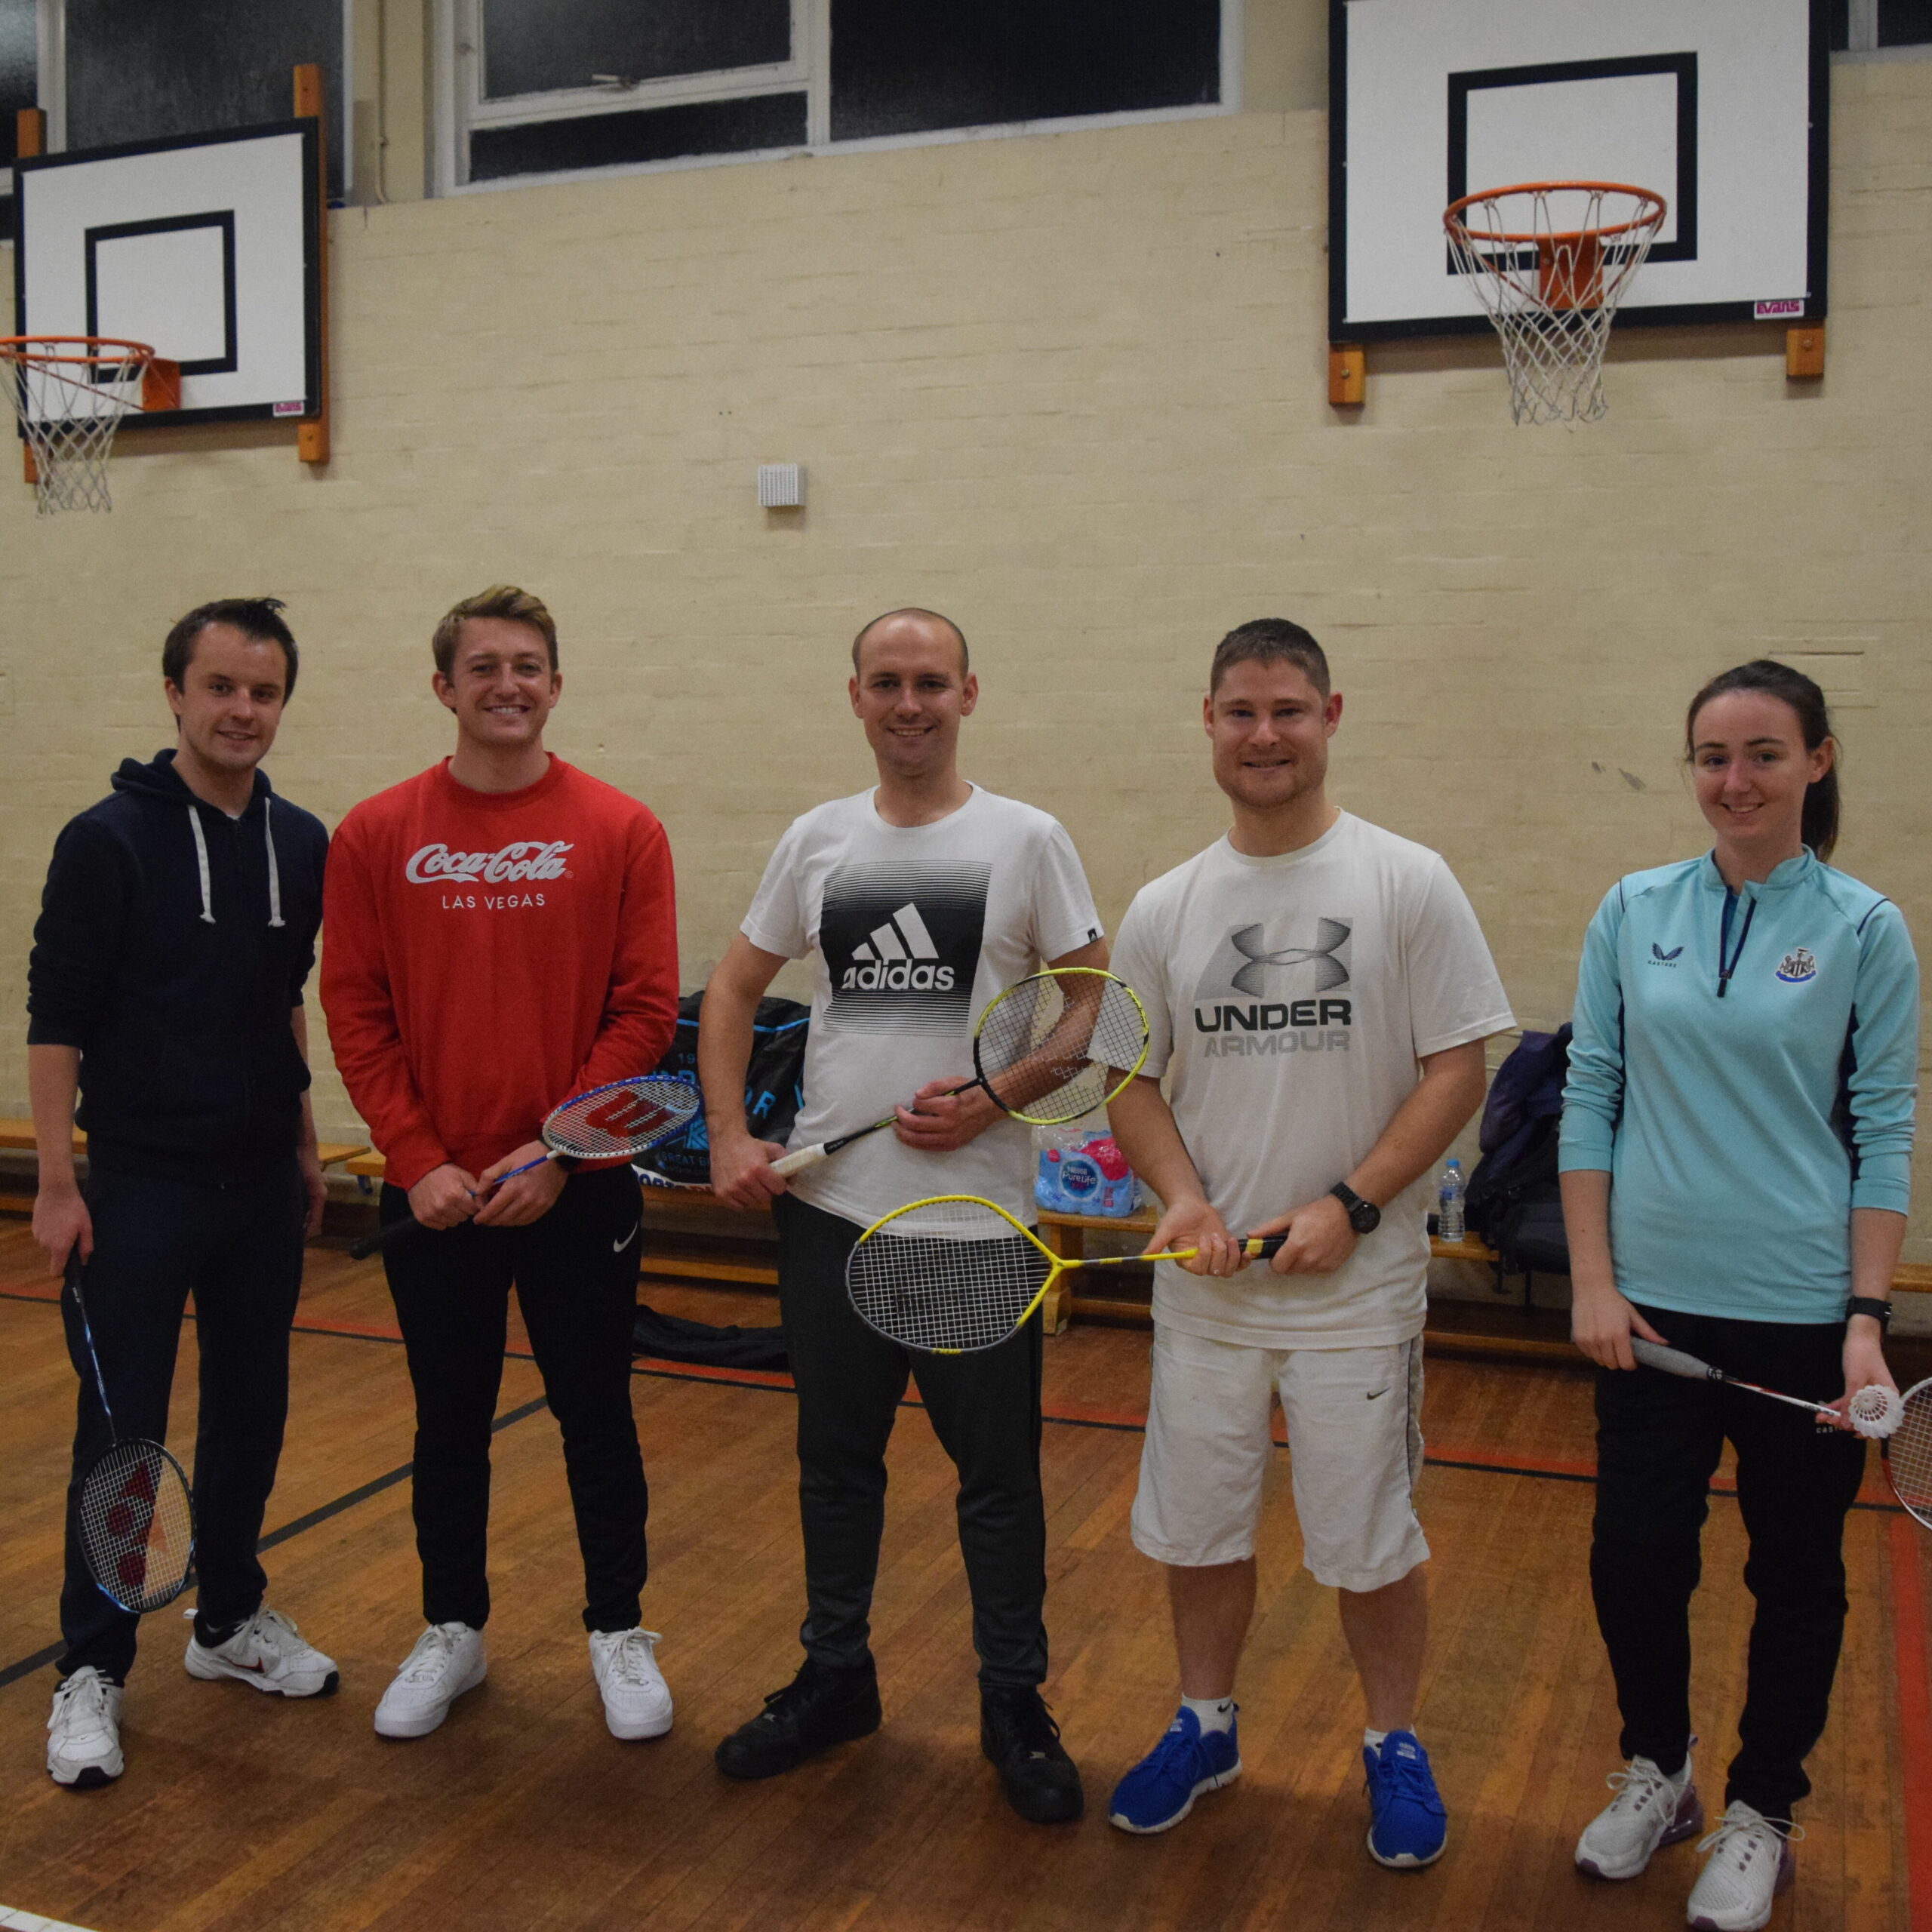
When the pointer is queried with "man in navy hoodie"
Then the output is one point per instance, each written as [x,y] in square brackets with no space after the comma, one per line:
[176,927]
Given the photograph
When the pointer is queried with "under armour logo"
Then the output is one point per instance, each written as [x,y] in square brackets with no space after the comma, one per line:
[1331,935]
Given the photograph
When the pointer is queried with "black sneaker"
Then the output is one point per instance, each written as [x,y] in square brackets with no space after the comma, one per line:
[820,1708]
[1023,1742]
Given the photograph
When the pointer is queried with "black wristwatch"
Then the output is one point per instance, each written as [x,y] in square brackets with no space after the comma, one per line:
[1881,1312]
[1364,1216]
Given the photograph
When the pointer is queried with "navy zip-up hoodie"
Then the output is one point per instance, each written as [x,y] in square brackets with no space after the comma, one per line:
[172,943]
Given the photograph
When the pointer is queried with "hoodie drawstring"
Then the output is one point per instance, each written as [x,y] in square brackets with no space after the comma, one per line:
[275,873]
[201,860]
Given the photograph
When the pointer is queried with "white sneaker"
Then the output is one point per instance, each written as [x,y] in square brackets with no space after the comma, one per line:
[1649,1811]
[637,1701]
[267,1653]
[1751,1862]
[448,1660]
[84,1732]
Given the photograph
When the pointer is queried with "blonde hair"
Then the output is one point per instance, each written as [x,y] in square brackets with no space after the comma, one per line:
[500,600]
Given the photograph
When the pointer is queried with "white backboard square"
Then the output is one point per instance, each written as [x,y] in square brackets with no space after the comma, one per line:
[203,248]
[1718,106]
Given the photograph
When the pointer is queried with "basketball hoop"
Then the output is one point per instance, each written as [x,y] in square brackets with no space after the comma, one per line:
[70,392]
[1550,261]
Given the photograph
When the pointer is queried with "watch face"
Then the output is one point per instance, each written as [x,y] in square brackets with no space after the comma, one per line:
[1365,1218]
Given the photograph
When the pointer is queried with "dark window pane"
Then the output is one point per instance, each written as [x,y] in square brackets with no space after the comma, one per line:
[1837,33]
[1904,23]
[908,66]
[651,133]
[139,69]
[532,46]
[19,65]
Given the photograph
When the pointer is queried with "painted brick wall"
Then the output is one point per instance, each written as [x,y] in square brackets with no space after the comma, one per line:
[1069,389]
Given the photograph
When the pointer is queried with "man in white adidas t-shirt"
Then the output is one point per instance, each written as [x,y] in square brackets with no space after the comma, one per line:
[920,901]
[1318,991]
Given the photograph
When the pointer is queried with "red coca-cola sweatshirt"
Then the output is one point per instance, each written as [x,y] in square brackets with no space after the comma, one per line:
[487,954]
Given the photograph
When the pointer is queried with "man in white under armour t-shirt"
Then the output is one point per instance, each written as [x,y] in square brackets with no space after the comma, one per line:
[919,901]
[1318,993]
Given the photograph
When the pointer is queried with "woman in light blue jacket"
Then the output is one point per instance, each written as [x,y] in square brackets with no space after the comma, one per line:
[1736,1148]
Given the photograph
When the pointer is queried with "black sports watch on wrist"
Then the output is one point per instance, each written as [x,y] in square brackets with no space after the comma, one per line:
[1881,1312]
[1364,1216]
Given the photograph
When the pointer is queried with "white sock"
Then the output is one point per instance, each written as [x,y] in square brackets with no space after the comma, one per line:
[1213,1713]
[1373,1739]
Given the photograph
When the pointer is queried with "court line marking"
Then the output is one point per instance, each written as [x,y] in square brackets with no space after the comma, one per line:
[12,1919]
[40,1660]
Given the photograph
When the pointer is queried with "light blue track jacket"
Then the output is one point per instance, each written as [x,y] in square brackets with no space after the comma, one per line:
[1744,1068]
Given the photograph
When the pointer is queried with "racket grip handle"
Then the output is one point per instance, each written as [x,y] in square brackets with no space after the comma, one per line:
[360,1250]
[799,1159]
[1261,1248]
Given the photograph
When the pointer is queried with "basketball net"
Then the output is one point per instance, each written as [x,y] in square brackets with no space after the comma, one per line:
[1550,261]
[70,393]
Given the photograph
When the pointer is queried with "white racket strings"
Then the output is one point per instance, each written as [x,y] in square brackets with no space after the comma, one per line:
[946,1275]
[1054,1047]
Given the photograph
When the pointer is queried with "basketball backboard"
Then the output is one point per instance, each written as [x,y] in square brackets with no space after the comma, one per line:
[205,247]
[1719,106]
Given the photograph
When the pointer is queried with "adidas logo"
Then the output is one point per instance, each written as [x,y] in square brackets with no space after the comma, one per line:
[897,956]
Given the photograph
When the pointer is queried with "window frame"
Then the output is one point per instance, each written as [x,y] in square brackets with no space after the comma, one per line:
[457,107]
[50,85]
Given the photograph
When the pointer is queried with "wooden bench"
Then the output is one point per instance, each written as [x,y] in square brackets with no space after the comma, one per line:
[17,1136]
[667,1256]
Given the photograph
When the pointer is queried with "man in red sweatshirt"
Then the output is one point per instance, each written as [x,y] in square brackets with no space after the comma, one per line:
[501,935]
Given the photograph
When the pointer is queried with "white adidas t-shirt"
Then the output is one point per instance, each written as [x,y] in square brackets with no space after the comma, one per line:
[1289,999]
[915,929]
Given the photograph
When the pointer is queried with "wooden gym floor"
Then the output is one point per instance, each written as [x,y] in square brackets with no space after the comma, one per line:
[245,1812]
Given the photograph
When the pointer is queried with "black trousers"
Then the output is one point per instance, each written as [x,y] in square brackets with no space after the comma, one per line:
[1659,1438]
[985,1409]
[238,1248]
[575,1273]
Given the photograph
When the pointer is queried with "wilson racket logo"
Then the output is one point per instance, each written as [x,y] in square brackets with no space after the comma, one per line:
[1797,966]
[524,859]
[901,945]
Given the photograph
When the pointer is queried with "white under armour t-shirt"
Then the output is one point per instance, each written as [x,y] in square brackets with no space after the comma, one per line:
[1289,999]
[915,928]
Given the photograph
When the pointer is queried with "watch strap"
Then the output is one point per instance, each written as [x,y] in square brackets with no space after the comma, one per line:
[1879,1309]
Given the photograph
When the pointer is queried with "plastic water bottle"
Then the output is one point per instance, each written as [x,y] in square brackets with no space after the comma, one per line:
[1449,1196]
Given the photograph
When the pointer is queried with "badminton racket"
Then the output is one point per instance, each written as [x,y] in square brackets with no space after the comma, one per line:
[137,1514]
[1051,1047]
[1874,1411]
[1908,1452]
[954,1274]
[622,1117]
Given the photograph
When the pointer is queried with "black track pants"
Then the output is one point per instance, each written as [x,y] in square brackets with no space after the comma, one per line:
[985,1408]
[237,1247]
[1659,1438]
[575,1272]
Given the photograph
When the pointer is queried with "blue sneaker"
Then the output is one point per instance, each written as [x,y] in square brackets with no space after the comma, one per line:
[1160,1791]
[1407,1821]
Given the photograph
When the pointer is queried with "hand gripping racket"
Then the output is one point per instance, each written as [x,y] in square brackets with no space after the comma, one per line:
[1051,1047]
[1874,1412]
[622,1117]
[1908,1452]
[955,1274]
[137,1514]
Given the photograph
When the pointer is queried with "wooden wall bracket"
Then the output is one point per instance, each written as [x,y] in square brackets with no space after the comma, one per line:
[29,139]
[1805,352]
[312,434]
[1348,375]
